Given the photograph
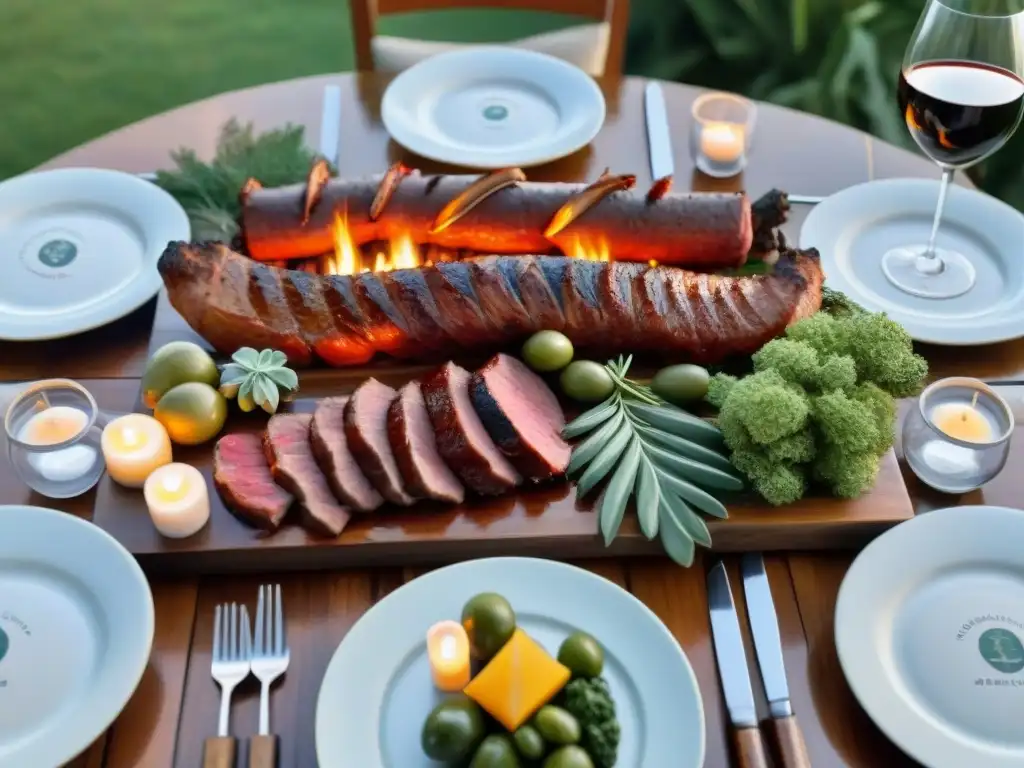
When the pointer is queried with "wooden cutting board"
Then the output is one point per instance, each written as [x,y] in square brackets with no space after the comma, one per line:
[548,521]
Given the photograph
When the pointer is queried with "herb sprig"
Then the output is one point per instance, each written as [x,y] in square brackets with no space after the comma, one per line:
[659,455]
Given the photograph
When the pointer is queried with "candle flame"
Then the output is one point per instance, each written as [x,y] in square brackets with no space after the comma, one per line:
[447,647]
[129,437]
[172,483]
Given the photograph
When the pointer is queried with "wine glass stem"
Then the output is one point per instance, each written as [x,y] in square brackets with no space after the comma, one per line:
[947,177]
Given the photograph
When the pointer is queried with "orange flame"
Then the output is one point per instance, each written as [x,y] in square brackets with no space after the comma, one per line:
[586,249]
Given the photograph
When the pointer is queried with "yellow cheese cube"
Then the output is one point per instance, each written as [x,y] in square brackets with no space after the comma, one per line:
[518,681]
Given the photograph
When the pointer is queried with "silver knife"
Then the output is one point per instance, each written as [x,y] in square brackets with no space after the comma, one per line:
[733,672]
[764,625]
[330,123]
[658,140]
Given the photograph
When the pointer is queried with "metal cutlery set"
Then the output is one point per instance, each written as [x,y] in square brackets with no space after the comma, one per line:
[236,653]
[735,676]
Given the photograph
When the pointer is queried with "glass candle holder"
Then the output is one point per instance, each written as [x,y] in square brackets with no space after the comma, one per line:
[721,133]
[958,436]
[53,438]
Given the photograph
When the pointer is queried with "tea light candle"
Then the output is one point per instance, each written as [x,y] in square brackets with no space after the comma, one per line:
[55,425]
[963,421]
[448,653]
[133,446]
[177,500]
[722,142]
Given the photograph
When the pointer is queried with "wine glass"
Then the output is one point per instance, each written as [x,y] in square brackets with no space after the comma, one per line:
[961,91]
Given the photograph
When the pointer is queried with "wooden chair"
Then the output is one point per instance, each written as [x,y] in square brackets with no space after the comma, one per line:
[597,47]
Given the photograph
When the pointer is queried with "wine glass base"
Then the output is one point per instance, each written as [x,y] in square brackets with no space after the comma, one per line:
[945,276]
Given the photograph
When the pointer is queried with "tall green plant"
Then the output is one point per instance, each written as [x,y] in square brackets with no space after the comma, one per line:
[835,58]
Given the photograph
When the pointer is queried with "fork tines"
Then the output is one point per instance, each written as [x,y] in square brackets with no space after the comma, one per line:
[269,631]
[231,641]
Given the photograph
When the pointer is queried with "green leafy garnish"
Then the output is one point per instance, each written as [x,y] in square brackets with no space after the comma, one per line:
[209,191]
[259,379]
[657,454]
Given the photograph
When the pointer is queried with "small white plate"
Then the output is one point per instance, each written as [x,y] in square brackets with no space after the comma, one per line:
[930,636]
[76,627]
[78,249]
[854,228]
[377,691]
[493,107]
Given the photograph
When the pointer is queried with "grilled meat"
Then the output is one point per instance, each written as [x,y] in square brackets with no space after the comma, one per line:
[330,447]
[412,439]
[242,477]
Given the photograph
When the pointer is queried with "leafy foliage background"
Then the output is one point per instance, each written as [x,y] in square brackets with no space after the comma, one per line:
[835,58]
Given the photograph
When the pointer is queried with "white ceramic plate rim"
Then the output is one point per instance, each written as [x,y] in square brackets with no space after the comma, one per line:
[820,231]
[92,718]
[53,186]
[574,584]
[892,554]
[516,59]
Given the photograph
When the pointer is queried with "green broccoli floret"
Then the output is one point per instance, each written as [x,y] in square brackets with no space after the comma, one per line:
[767,406]
[835,372]
[777,483]
[845,423]
[797,448]
[883,408]
[847,474]
[884,354]
[734,433]
[589,700]
[821,331]
[797,363]
[719,387]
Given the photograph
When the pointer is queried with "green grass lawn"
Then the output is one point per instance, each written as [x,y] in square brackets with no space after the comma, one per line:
[72,71]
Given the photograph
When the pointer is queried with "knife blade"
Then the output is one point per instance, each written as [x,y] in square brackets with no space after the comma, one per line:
[764,625]
[732,670]
[330,123]
[659,142]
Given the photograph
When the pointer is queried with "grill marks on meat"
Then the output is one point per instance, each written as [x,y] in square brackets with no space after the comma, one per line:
[330,447]
[242,477]
[366,429]
[462,439]
[412,439]
[522,416]
[485,303]
[293,466]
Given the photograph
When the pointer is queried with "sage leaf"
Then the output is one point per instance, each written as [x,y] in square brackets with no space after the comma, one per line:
[685,447]
[678,422]
[596,416]
[674,538]
[695,471]
[692,523]
[589,448]
[700,498]
[613,503]
[283,377]
[603,462]
[648,497]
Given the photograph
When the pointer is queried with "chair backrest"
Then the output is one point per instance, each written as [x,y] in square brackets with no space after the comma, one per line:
[597,47]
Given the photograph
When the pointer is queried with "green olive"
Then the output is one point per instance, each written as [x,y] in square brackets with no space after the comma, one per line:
[586,381]
[681,383]
[547,351]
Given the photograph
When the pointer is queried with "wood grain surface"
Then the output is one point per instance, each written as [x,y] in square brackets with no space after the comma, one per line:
[174,709]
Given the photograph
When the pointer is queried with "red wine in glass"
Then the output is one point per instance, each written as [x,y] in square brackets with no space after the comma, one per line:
[961,93]
[960,111]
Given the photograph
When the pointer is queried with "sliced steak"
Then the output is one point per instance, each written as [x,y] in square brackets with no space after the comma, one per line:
[412,439]
[522,416]
[366,429]
[330,447]
[286,443]
[243,480]
[462,440]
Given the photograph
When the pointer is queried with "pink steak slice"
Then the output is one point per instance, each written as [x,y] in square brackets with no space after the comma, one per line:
[242,477]
[330,447]
[415,447]
[366,429]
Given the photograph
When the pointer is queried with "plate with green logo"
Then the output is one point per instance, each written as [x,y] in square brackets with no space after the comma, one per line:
[930,636]
[493,107]
[76,628]
[79,247]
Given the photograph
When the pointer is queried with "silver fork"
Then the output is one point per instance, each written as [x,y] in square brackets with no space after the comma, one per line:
[232,651]
[269,661]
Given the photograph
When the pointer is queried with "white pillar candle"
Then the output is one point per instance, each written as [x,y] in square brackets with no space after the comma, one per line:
[55,425]
[177,500]
[134,446]
[722,142]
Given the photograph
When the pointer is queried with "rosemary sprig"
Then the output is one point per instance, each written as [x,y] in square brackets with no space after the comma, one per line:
[659,455]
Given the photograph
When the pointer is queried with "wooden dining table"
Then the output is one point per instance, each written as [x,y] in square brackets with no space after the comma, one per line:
[175,706]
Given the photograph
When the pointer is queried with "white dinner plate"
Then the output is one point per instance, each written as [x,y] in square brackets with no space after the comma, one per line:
[76,627]
[930,636]
[78,249]
[377,690]
[854,228]
[493,107]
